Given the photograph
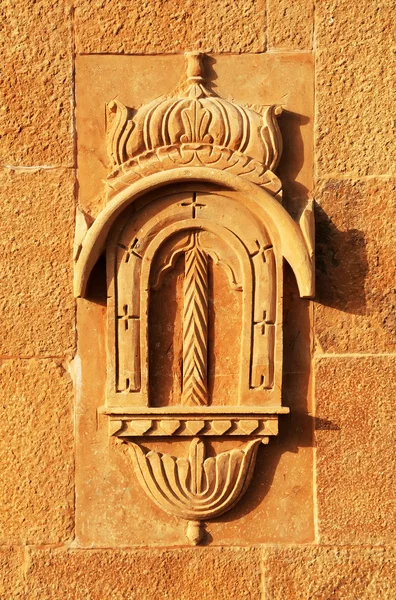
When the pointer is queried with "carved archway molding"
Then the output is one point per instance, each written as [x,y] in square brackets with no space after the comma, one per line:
[189,139]
[295,242]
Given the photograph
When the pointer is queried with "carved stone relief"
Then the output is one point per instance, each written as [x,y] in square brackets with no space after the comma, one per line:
[195,236]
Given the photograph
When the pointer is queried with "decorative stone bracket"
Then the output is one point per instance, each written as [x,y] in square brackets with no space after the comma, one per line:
[195,236]
[194,488]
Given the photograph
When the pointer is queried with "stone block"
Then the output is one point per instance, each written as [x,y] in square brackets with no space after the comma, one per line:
[355,87]
[329,573]
[36,452]
[36,241]
[156,27]
[355,433]
[36,90]
[355,257]
[11,577]
[290,24]
[183,574]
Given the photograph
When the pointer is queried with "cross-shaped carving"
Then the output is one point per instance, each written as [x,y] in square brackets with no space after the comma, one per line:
[131,250]
[194,204]
[261,250]
[262,323]
[126,317]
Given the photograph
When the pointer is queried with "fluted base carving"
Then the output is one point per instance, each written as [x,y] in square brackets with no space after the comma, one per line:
[196,488]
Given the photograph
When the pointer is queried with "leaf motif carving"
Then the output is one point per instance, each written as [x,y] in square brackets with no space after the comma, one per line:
[118,132]
[196,122]
[196,488]
[195,326]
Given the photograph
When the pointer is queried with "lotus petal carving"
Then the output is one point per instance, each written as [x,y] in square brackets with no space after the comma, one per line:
[195,488]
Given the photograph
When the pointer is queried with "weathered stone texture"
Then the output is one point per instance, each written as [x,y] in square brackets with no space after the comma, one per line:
[36,452]
[11,577]
[35,95]
[355,87]
[356,452]
[36,238]
[329,573]
[290,24]
[157,26]
[199,574]
[356,253]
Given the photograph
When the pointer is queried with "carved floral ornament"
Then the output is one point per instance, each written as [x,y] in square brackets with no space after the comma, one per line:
[195,235]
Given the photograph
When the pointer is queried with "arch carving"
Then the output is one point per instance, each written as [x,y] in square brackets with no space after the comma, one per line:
[195,237]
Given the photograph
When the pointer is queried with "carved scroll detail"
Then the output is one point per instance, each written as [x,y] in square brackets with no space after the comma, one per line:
[272,136]
[195,488]
[171,157]
[195,325]
[119,132]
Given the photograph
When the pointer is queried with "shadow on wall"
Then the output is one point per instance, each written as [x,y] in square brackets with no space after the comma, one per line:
[295,195]
[341,266]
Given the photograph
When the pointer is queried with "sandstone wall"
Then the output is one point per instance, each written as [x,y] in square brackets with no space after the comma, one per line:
[354,325]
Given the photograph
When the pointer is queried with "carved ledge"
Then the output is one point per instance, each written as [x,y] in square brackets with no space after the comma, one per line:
[232,423]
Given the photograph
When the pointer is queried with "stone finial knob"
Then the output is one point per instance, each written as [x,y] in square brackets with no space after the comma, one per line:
[194,67]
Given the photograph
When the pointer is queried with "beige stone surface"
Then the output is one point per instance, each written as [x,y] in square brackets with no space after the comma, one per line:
[329,573]
[36,240]
[155,26]
[11,573]
[355,87]
[355,266]
[36,452]
[355,433]
[36,90]
[183,574]
[290,24]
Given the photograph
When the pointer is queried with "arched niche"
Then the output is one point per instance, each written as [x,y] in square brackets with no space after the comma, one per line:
[232,225]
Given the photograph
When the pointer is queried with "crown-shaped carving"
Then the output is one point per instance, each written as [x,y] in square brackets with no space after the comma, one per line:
[193,127]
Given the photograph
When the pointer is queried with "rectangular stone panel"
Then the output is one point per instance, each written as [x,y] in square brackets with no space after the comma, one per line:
[111,510]
[327,573]
[36,90]
[36,452]
[355,266]
[156,27]
[290,24]
[36,271]
[182,574]
[355,87]
[355,435]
